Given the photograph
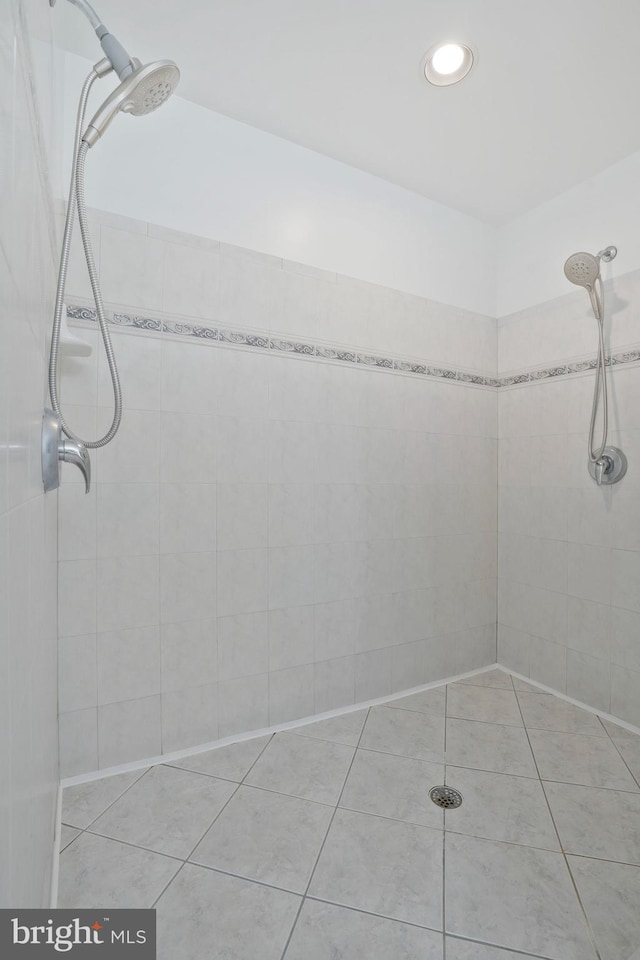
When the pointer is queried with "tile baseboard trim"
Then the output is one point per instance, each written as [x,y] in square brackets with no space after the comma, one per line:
[316,350]
[264,731]
[576,703]
[55,866]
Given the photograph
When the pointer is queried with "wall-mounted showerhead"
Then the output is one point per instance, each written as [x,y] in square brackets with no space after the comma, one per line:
[141,92]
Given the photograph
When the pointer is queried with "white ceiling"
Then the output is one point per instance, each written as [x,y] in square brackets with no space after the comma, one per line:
[552,100]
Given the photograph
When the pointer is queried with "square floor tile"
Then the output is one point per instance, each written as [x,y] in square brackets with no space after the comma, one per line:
[229,763]
[515,897]
[382,866]
[405,733]
[395,787]
[82,803]
[94,870]
[303,767]
[167,810]
[489,704]
[575,758]
[267,837]
[428,701]
[344,729]
[610,893]
[596,823]
[489,746]
[545,712]
[327,932]
[205,914]
[500,807]
[490,678]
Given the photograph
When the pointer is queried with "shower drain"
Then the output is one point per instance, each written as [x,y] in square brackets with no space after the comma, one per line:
[445,797]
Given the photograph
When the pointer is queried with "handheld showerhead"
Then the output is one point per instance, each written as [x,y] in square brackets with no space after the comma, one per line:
[141,92]
[582,269]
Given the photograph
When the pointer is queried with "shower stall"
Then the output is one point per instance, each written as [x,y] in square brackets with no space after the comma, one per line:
[332,513]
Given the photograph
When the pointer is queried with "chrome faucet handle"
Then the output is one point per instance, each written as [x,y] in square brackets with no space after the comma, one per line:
[603,465]
[77,453]
[609,468]
[55,449]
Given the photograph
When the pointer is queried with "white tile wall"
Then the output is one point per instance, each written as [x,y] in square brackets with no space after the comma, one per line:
[269,526]
[28,549]
[570,552]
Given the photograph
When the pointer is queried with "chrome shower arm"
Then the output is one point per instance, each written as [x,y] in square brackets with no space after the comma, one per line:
[113,49]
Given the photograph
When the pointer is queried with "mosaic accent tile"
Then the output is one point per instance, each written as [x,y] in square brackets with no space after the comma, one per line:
[370,360]
[289,346]
[407,367]
[330,353]
[141,323]
[81,313]
[579,367]
[551,372]
[245,339]
[325,352]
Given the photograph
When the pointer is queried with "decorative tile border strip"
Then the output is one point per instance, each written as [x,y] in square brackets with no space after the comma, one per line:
[343,354]
[265,342]
[579,366]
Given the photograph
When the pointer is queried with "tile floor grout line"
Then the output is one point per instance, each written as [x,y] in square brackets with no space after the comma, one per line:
[486,943]
[167,885]
[562,851]
[241,876]
[382,816]
[590,786]
[220,811]
[322,845]
[620,754]
[136,846]
[267,744]
[199,773]
[403,756]
[369,913]
[108,807]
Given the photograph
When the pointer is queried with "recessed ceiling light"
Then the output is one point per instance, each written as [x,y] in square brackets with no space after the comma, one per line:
[447,63]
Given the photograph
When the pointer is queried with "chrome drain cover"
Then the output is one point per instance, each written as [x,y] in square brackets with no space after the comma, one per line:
[445,797]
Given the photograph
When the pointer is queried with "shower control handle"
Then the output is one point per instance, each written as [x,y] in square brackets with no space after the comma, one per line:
[603,465]
[57,449]
[77,453]
[609,468]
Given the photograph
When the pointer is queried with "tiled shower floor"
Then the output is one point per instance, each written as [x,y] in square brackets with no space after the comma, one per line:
[321,843]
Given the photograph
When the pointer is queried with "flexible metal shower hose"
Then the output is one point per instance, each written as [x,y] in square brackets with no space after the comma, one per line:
[77,199]
[601,380]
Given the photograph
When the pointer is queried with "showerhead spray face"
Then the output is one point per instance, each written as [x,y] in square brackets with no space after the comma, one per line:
[582,269]
[143,91]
